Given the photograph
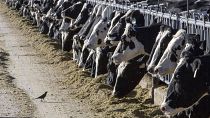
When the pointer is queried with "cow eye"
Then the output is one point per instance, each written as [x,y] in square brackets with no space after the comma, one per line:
[177,76]
[131,45]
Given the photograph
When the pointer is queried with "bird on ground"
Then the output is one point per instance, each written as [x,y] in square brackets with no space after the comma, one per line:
[42,96]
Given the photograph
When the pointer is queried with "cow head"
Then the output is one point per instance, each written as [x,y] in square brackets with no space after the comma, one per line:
[188,85]
[83,16]
[129,47]
[162,40]
[114,21]
[168,61]
[114,35]
[100,30]
[128,77]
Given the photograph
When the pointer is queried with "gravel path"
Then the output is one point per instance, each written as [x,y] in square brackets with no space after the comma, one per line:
[34,76]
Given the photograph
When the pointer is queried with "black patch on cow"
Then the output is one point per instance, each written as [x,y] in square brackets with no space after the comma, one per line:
[131,45]
[179,47]
[99,41]
[173,57]
[97,32]
[183,42]
[105,28]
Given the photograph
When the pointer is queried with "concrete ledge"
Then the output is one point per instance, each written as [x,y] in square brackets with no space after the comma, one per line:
[159,91]
[159,94]
[146,82]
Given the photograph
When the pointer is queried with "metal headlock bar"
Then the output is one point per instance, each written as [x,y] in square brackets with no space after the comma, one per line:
[194,23]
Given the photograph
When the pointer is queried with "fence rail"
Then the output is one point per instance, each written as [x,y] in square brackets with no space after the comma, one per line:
[192,24]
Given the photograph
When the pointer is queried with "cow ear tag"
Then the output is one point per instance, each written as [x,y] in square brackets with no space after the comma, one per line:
[196,66]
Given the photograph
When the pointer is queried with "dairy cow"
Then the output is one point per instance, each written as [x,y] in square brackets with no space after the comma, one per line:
[168,61]
[129,74]
[161,43]
[189,81]
[69,15]
[135,41]
[85,51]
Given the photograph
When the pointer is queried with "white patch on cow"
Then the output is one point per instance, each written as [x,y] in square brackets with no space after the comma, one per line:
[74,44]
[49,13]
[120,70]
[59,3]
[100,30]
[98,53]
[171,112]
[165,65]
[64,25]
[64,35]
[38,18]
[128,53]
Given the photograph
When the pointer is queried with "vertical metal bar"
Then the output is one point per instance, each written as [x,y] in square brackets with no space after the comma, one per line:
[187,14]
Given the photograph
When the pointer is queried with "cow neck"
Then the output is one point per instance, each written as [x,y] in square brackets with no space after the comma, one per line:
[205,68]
[147,36]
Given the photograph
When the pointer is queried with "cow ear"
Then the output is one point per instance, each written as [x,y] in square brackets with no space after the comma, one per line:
[196,66]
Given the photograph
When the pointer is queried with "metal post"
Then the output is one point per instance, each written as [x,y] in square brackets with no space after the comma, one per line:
[187,14]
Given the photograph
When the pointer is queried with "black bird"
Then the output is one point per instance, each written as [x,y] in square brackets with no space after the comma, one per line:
[42,96]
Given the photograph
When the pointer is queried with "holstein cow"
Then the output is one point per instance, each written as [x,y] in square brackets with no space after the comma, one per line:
[96,39]
[189,81]
[161,43]
[69,15]
[114,21]
[198,110]
[85,51]
[135,41]
[168,61]
[114,36]
[78,39]
[100,30]
[111,67]
[129,74]
[124,81]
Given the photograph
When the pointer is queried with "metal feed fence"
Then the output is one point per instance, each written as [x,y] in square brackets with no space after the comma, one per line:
[195,23]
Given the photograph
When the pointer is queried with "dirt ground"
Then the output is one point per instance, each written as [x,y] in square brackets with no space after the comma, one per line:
[31,64]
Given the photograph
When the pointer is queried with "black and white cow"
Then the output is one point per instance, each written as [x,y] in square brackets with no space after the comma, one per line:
[94,21]
[189,81]
[198,110]
[168,61]
[96,40]
[129,74]
[114,21]
[161,43]
[135,41]
[100,30]
[111,67]
[83,22]
[114,34]
[69,15]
